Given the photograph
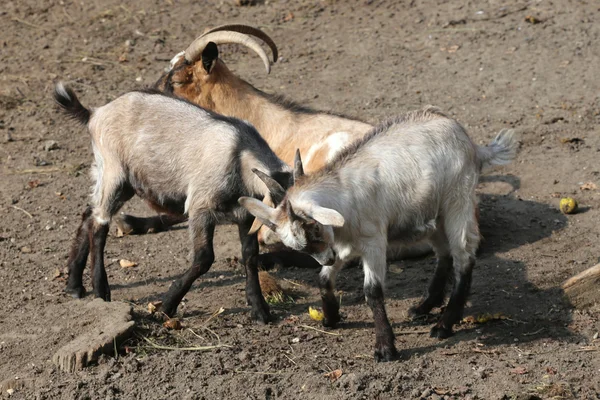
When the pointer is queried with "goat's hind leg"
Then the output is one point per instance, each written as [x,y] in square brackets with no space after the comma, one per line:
[250,259]
[463,236]
[78,256]
[115,194]
[443,269]
[202,230]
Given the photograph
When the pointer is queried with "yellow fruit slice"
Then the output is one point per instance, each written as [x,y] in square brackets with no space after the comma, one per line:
[315,314]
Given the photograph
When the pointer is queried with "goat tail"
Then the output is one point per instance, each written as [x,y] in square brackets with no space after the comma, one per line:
[502,150]
[67,100]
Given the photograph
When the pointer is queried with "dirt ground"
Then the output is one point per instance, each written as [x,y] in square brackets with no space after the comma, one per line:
[491,64]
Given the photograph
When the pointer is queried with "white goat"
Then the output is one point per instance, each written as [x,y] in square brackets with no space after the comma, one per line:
[410,179]
[181,159]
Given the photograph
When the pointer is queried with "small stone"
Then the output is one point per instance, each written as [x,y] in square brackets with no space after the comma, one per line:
[49,227]
[296,340]
[26,249]
[426,393]
[50,145]
[244,356]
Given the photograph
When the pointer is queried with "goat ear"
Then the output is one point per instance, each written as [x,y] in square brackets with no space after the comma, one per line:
[298,167]
[209,56]
[327,216]
[260,210]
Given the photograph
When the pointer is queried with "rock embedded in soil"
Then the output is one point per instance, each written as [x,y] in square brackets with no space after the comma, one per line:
[112,325]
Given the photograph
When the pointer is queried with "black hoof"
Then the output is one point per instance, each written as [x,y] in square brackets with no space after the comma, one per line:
[168,310]
[122,222]
[331,321]
[440,332]
[77,292]
[262,316]
[103,294]
[417,312]
[386,354]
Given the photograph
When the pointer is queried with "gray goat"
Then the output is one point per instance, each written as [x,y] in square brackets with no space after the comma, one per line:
[181,159]
[411,179]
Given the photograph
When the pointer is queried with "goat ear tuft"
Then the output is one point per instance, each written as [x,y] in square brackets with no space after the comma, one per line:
[209,56]
[327,216]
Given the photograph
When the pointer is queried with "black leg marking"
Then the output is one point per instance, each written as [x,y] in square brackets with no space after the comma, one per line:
[456,304]
[254,296]
[331,307]
[98,233]
[203,228]
[78,256]
[435,294]
[131,225]
[384,335]
[97,237]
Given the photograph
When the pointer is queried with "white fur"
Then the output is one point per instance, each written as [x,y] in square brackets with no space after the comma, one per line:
[176,59]
[336,142]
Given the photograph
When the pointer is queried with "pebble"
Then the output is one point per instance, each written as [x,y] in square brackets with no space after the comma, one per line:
[25,249]
[50,145]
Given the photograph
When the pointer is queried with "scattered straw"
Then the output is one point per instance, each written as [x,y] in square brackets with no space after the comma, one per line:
[417,332]
[319,330]
[194,348]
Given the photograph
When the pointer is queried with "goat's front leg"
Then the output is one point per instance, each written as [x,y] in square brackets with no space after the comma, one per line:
[254,296]
[374,265]
[202,230]
[331,307]
[78,256]
[131,225]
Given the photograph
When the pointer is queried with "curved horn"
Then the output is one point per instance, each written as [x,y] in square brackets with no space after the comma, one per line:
[298,168]
[290,211]
[276,190]
[232,34]
[248,30]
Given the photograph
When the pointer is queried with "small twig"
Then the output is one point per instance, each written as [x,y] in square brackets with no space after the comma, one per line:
[587,348]
[20,209]
[289,280]
[216,313]
[195,348]
[36,171]
[258,372]
[29,24]
[285,355]
[419,332]
[534,333]
[319,330]
[476,350]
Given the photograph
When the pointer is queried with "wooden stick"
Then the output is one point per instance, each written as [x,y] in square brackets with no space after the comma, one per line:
[593,271]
